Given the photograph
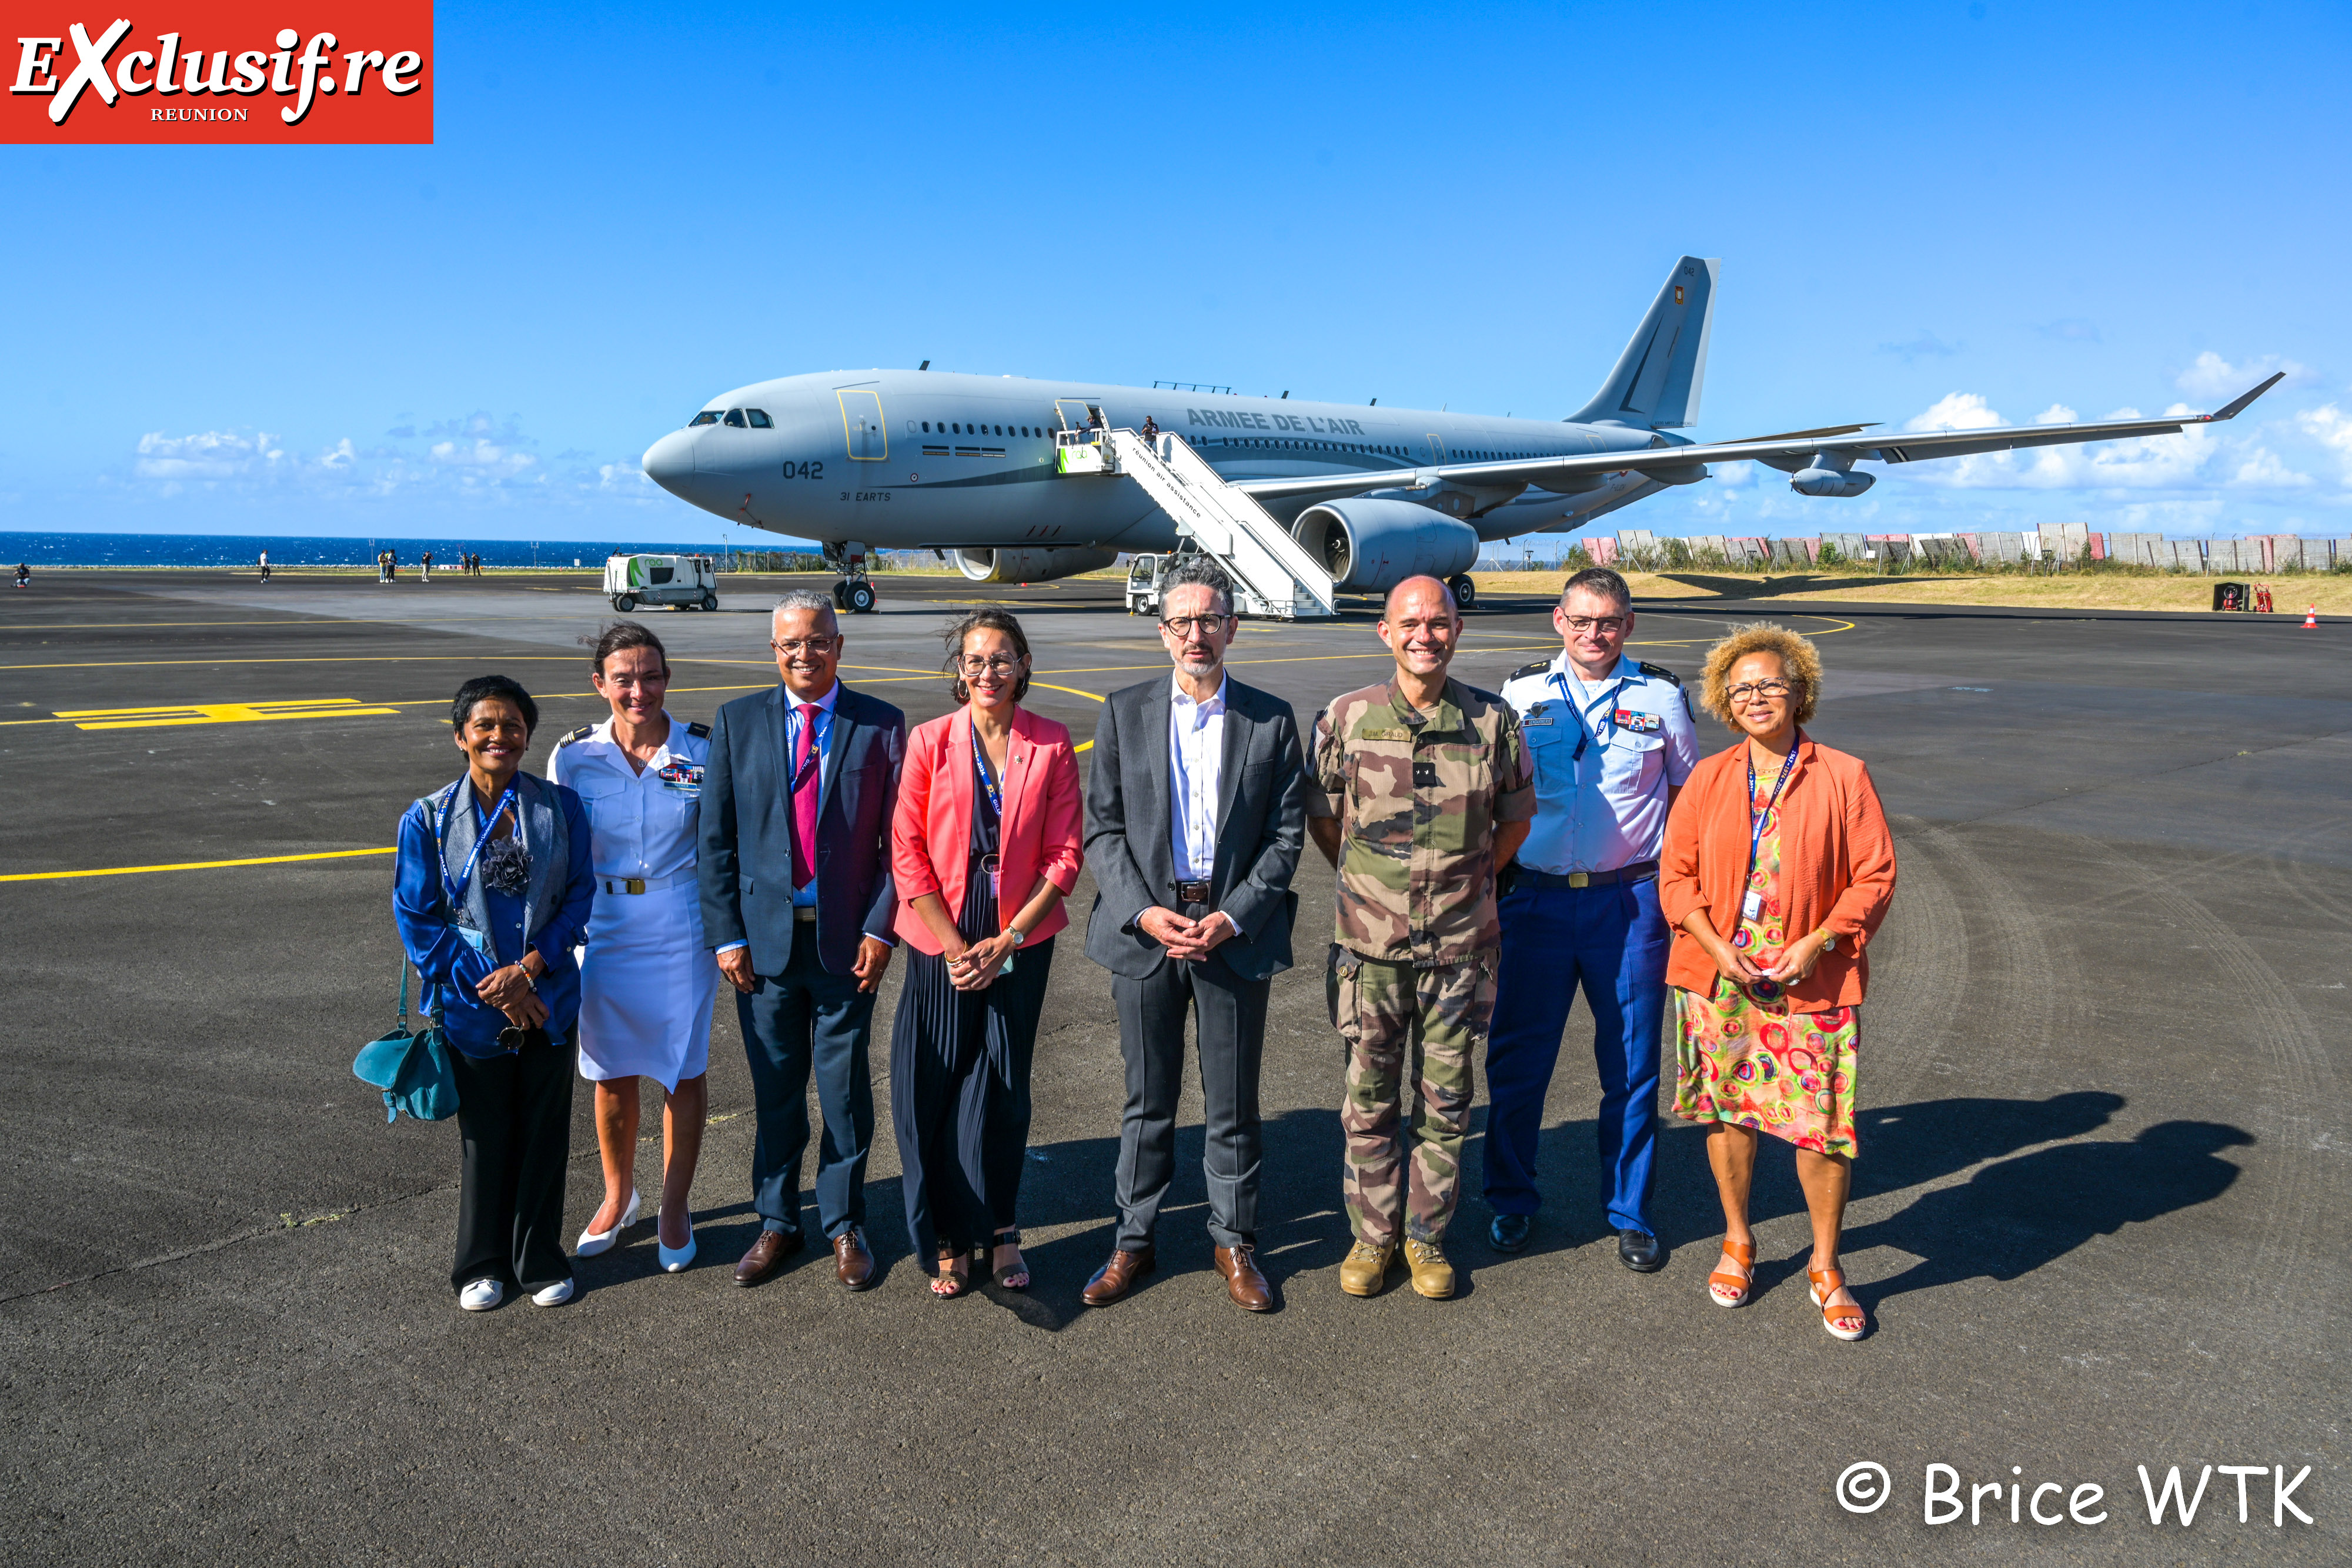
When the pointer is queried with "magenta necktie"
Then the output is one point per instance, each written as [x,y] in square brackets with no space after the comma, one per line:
[804,791]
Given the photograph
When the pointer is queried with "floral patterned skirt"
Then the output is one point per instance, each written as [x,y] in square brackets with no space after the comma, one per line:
[1754,1063]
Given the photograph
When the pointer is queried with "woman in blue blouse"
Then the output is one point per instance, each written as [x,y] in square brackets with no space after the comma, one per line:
[492,891]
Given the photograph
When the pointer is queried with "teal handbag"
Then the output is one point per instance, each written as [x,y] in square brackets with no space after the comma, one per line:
[413,1070]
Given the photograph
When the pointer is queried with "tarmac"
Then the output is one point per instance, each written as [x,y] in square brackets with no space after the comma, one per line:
[2099,1216]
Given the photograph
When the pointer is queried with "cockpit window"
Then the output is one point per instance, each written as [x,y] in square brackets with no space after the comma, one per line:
[735,418]
[759,418]
[708,416]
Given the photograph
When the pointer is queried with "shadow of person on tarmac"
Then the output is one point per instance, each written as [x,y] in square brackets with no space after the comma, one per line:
[2014,1217]
[1901,1146]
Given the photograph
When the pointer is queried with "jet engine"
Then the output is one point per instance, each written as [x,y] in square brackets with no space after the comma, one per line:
[1371,546]
[1035,565]
[1830,482]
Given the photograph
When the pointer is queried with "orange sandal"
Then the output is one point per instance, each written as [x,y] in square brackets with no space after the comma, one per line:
[1731,1289]
[1828,1283]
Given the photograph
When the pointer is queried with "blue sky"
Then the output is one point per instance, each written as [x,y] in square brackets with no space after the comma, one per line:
[1946,212]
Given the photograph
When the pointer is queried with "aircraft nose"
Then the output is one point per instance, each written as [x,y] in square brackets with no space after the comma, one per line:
[669,463]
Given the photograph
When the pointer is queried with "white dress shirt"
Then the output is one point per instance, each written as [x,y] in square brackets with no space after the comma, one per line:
[1196,760]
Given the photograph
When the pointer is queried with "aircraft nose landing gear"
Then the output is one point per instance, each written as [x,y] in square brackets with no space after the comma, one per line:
[854,592]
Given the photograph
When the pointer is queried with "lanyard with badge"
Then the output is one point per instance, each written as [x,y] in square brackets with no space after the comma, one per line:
[992,863]
[456,890]
[1751,902]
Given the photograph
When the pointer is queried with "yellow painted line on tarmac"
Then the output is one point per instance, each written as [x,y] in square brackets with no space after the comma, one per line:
[1090,696]
[217,713]
[193,865]
[142,625]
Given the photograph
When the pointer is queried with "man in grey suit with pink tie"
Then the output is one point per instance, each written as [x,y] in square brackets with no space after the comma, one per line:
[797,903]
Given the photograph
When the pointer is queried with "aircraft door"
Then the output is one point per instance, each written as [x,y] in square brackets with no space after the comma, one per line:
[1077,413]
[862,425]
[1436,448]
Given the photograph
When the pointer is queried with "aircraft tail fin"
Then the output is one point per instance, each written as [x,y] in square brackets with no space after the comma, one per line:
[1658,378]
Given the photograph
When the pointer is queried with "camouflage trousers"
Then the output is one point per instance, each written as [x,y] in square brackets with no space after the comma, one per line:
[1394,1018]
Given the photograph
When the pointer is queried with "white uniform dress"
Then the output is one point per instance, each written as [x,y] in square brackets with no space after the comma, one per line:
[646,981]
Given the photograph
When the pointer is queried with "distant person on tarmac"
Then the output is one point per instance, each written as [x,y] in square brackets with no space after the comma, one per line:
[424,565]
[24,575]
[1776,869]
[491,893]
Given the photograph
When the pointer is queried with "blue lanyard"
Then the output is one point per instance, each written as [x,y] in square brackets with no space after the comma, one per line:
[1756,825]
[456,890]
[980,762]
[1586,732]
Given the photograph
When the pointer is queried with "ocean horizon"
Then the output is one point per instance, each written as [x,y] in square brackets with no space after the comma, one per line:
[72,550]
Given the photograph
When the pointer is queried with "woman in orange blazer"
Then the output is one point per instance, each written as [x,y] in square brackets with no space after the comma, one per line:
[1776,869]
[984,847]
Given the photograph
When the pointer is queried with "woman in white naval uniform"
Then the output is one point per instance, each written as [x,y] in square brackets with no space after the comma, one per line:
[648,980]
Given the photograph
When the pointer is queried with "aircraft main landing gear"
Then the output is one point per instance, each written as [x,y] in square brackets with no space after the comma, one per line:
[1466,592]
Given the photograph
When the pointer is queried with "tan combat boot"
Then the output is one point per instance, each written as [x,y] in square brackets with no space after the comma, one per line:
[1433,1275]
[1366,1268]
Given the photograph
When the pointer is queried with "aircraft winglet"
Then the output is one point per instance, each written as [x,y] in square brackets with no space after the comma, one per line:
[2237,405]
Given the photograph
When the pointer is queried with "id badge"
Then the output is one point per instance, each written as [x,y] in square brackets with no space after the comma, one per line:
[995,866]
[1751,908]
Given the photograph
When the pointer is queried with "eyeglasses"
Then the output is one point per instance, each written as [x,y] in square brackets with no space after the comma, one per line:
[1194,625]
[1607,625]
[1747,690]
[820,646]
[997,666]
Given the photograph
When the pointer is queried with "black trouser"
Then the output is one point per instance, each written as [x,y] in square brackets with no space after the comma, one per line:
[960,1064]
[515,1113]
[1231,1014]
[809,1019]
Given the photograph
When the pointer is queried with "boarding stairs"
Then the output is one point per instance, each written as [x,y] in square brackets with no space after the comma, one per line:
[1273,577]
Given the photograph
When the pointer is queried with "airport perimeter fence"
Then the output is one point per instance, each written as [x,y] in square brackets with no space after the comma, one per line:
[2066,549]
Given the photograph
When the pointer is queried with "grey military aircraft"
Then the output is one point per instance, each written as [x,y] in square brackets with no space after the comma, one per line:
[967,465]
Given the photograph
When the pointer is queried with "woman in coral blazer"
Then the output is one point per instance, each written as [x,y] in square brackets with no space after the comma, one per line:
[984,849]
[1776,869]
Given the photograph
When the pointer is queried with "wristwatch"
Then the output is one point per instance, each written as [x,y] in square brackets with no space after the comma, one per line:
[1829,941]
[1018,935]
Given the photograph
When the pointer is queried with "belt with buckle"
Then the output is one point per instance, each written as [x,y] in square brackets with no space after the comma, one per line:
[645,884]
[1193,891]
[805,912]
[1640,870]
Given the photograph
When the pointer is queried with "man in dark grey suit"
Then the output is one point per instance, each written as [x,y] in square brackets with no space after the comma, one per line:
[797,903]
[1196,809]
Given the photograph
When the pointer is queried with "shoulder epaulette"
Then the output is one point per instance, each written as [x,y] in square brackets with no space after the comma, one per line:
[1658,672]
[1538,668]
[582,733]
[700,731]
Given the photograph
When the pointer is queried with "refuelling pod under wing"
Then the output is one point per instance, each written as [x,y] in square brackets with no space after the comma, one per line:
[1370,546]
[1037,565]
[1830,482]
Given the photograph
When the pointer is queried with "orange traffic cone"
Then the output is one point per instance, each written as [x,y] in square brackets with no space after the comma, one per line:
[2311,618]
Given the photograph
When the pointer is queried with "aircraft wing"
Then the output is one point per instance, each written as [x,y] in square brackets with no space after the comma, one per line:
[1675,460]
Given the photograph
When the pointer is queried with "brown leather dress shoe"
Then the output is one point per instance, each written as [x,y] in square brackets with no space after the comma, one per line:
[853,1265]
[1116,1278]
[1243,1282]
[773,1248]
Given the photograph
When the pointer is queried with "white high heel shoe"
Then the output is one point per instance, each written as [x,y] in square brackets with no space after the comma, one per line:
[675,1258]
[595,1241]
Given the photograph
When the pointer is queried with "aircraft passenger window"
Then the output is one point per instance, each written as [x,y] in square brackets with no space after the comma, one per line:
[759,418]
[735,418]
[708,416]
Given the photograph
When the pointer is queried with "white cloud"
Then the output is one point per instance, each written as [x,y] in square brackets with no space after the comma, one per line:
[2332,428]
[2150,462]
[2262,470]
[209,454]
[2214,377]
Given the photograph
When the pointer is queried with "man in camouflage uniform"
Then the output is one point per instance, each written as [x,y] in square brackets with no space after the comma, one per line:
[1419,788]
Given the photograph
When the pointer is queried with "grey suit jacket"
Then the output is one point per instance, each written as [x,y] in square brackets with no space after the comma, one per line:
[1261,827]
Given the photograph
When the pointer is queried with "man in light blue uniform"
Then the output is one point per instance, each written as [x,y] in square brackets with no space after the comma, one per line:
[1613,742]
